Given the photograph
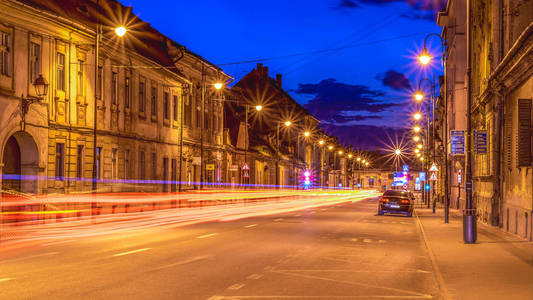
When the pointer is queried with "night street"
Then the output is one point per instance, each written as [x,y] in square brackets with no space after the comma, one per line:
[339,251]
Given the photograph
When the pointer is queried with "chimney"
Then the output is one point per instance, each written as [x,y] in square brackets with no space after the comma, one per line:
[278,79]
[265,72]
[260,68]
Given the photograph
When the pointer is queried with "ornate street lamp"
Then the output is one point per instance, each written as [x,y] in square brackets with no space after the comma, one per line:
[41,90]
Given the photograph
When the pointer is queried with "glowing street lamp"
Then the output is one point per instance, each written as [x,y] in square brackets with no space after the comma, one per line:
[397,151]
[258,107]
[419,146]
[307,133]
[422,158]
[418,96]
[359,159]
[350,155]
[330,147]
[417,116]
[417,129]
[321,142]
[424,58]
[218,85]
[288,123]
[417,150]
[366,164]
[416,138]
[121,31]
[418,155]
[340,152]
[364,161]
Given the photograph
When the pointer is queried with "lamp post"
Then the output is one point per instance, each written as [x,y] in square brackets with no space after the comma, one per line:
[120,31]
[278,125]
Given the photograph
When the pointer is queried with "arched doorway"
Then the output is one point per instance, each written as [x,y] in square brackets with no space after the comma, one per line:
[21,163]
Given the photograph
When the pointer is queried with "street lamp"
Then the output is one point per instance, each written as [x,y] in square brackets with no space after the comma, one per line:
[416,138]
[321,142]
[424,58]
[350,155]
[41,90]
[330,147]
[258,107]
[419,146]
[287,123]
[417,116]
[218,85]
[418,96]
[398,152]
[120,31]
[307,133]
[417,150]
[417,129]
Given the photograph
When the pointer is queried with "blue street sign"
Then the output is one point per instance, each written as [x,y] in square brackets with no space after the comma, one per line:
[458,142]
[422,176]
[480,141]
[405,168]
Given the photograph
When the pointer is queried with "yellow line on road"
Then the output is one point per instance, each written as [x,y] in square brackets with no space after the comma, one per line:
[131,252]
[206,235]
[5,279]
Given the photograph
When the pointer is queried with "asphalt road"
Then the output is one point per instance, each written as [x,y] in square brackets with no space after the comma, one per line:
[341,251]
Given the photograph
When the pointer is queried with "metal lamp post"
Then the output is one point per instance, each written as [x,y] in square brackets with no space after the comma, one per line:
[41,90]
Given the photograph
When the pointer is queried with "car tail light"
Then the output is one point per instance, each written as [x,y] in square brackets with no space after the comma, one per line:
[405,201]
[384,200]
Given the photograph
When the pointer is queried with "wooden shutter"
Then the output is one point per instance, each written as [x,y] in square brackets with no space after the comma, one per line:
[508,131]
[524,133]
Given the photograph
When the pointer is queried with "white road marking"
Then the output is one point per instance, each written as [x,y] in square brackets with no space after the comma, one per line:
[131,252]
[5,279]
[236,286]
[278,219]
[206,235]
[367,240]
[187,261]
[250,226]
[255,276]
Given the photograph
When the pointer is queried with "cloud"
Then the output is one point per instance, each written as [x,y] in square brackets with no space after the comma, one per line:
[420,15]
[340,103]
[363,137]
[394,80]
[346,4]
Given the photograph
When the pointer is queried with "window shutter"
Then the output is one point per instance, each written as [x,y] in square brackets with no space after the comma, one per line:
[524,133]
[508,131]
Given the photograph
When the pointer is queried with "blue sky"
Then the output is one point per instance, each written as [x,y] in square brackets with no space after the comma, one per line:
[368,47]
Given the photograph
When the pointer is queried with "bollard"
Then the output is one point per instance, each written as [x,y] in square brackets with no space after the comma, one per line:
[126,207]
[113,209]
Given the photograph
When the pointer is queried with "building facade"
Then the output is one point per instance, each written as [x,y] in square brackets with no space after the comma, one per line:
[154,102]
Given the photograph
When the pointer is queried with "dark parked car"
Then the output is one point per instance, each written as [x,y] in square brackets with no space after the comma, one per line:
[396,202]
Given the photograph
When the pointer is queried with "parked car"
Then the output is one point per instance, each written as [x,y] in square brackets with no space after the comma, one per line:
[396,202]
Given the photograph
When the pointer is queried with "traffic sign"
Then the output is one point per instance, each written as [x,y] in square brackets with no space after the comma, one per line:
[434,168]
[433,177]
[458,142]
[245,167]
[480,141]
[210,167]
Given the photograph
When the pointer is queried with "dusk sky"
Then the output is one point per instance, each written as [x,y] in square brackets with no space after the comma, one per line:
[350,62]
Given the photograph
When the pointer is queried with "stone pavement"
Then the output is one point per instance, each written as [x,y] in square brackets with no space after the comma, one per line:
[498,266]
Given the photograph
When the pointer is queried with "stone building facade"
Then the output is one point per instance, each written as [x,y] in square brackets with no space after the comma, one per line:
[502,94]
[156,107]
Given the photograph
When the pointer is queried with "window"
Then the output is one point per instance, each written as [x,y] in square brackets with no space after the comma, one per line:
[114,166]
[60,161]
[175,107]
[80,77]
[198,114]
[60,71]
[98,162]
[142,99]
[127,92]
[5,53]
[154,166]
[126,164]
[166,106]
[35,61]
[114,87]
[79,162]
[173,169]
[154,101]
[188,111]
[99,82]
[141,165]
[524,133]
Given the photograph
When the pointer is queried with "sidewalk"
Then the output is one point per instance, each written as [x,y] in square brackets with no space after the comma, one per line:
[498,266]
